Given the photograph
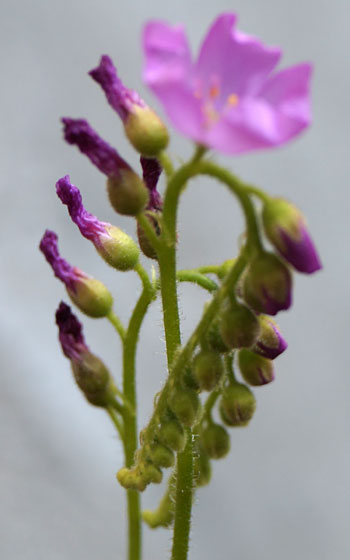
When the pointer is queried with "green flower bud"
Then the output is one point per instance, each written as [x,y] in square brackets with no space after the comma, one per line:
[92,377]
[91,297]
[214,338]
[162,456]
[118,249]
[144,243]
[127,192]
[185,404]
[146,131]
[151,473]
[255,369]
[237,405]
[267,284]
[172,435]
[161,517]
[216,441]
[207,369]
[239,327]
[201,466]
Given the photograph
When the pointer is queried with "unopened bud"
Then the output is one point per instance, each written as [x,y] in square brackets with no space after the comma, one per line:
[207,369]
[237,405]
[172,435]
[239,326]
[216,441]
[270,343]
[201,466]
[214,338]
[185,404]
[267,284]
[127,193]
[162,456]
[255,369]
[285,227]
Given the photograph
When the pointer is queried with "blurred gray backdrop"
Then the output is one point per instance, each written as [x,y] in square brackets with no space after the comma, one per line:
[284,491]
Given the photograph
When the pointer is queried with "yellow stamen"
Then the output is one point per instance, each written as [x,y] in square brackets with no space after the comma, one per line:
[214,92]
[232,100]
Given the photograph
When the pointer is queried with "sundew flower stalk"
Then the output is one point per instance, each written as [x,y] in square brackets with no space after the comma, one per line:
[231,99]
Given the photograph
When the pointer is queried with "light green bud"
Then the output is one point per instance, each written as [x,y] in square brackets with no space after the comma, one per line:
[119,250]
[127,192]
[207,369]
[146,132]
[216,441]
[237,405]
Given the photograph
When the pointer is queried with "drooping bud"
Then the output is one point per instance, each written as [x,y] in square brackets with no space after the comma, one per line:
[207,369]
[214,338]
[143,127]
[270,343]
[285,226]
[216,441]
[267,284]
[184,403]
[237,405]
[255,369]
[114,246]
[239,326]
[163,515]
[161,455]
[201,465]
[88,294]
[90,373]
[126,190]
[172,434]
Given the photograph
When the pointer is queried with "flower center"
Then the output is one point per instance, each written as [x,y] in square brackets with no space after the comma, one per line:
[210,107]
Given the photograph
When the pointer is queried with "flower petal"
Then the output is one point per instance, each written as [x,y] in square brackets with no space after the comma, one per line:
[240,62]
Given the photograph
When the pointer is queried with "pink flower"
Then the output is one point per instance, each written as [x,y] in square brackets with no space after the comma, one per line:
[229,99]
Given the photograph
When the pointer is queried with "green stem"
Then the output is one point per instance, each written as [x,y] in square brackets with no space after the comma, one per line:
[130,418]
[250,189]
[117,324]
[197,278]
[166,163]
[111,412]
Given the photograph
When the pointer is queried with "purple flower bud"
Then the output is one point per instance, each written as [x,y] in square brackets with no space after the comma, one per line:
[255,369]
[89,294]
[114,246]
[70,333]
[143,127]
[90,373]
[285,227]
[151,173]
[101,154]
[270,343]
[267,284]
[119,97]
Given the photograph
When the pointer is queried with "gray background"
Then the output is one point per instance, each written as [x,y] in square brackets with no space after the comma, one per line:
[284,490]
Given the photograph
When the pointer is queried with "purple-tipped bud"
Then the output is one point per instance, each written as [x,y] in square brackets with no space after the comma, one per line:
[270,343]
[237,405]
[239,327]
[100,153]
[151,173]
[267,284]
[114,246]
[285,227]
[122,99]
[89,294]
[90,373]
[126,190]
[143,127]
[255,369]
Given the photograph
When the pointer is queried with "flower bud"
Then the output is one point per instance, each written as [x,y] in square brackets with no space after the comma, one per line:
[114,246]
[88,294]
[161,456]
[127,193]
[214,338]
[185,404]
[201,466]
[144,243]
[163,515]
[207,369]
[143,127]
[267,284]
[90,373]
[285,227]
[255,369]
[172,435]
[239,326]
[237,405]
[270,343]
[216,441]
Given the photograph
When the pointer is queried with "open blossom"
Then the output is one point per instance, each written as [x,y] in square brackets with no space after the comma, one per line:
[230,98]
